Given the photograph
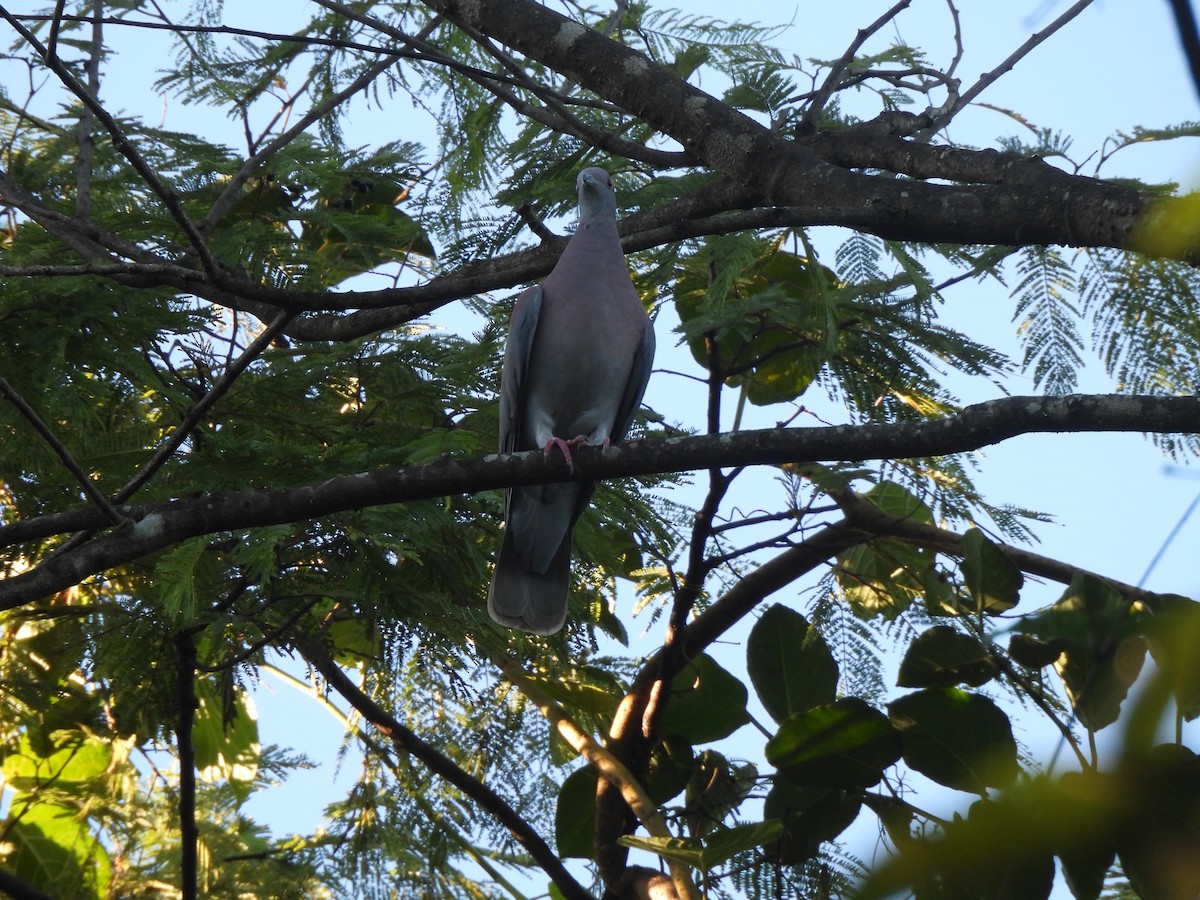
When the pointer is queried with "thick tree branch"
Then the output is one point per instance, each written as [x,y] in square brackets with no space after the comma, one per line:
[160,525]
[1077,211]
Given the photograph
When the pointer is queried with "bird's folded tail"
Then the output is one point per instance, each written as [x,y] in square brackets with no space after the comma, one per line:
[522,598]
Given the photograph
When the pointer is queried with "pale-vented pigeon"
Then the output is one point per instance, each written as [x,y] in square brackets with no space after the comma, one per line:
[578,357]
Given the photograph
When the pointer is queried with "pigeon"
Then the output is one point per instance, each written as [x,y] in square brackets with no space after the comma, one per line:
[578,357]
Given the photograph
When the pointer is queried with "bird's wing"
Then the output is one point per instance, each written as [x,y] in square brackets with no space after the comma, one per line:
[524,324]
[635,386]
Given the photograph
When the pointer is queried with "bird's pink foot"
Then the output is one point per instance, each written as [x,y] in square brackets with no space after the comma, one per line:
[580,440]
[564,446]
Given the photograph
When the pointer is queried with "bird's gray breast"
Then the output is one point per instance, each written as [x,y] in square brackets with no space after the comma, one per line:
[575,387]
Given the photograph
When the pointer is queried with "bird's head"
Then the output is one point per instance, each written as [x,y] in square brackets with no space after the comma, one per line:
[596,194]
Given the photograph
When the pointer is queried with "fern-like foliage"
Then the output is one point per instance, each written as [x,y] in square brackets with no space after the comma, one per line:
[1048,319]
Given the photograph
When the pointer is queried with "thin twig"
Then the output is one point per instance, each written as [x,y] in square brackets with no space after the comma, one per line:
[536,225]
[83,132]
[168,447]
[1013,58]
[808,123]
[196,413]
[233,189]
[122,144]
[93,493]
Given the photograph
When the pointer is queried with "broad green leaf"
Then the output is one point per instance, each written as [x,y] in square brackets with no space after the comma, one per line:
[846,743]
[680,850]
[789,663]
[707,703]
[943,656]
[52,848]
[671,766]
[74,762]
[993,579]
[1159,845]
[1173,634]
[768,313]
[996,852]
[884,577]
[898,501]
[725,843]
[958,739]
[227,748]
[1033,653]
[575,814]
[596,700]
[810,816]
[1103,648]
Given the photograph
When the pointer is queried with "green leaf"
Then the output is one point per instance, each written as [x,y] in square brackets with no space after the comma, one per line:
[789,664]
[72,763]
[846,743]
[767,312]
[1173,634]
[1159,846]
[575,814]
[52,848]
[884,577]
[943,656]
[810,816]
[715,788]
[958,739]
[993,579]
[227,747]
[1103,648]
[671,766]
[987,856]
[707,703]
[722,845]
[175,576]
[1033,653]
[598,701]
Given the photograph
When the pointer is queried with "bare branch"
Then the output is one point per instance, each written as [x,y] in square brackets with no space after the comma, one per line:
[122,144]
[989,78]
[409,742]
[607,764]
[808,123]
[93,493]
[185,695]
[84,136]
[162,524]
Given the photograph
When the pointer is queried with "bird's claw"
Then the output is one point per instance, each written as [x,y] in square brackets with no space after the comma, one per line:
[580,440]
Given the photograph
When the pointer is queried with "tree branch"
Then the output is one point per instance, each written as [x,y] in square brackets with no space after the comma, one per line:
[441,765]
[611,769]
[160,525]
[1075,211]
[89,488]
[122,144]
